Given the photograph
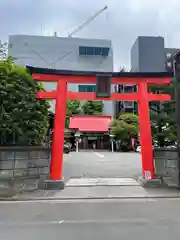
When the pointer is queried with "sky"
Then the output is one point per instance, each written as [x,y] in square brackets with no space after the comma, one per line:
[123,22]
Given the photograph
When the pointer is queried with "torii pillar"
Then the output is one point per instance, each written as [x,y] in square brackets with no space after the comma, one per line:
[56,166]
[145,133]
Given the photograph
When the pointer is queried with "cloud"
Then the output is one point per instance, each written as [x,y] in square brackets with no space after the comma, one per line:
[122,23]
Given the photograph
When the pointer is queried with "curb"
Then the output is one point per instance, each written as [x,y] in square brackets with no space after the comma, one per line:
[87,198]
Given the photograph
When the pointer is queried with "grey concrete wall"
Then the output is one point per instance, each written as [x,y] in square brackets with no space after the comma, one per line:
[135,56]
[60,53]
[148,55]
[152,55]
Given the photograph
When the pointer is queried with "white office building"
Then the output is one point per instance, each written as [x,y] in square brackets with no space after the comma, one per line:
[66,53]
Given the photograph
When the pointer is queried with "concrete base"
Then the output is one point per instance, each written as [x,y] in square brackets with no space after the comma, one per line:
[151,183]
[53,184]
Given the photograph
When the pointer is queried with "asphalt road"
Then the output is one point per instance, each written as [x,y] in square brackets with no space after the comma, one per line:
[101,164]
[135,219]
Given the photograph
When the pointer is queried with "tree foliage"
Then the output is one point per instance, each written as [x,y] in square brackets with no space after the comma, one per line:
[88,108]
[23,118]
[163,116]
[125,126]
[93,108]
[72,108]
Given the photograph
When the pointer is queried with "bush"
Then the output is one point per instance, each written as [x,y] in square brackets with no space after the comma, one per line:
[23,119]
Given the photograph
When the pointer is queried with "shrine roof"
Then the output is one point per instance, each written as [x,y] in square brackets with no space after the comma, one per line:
[49,71]
[90,123]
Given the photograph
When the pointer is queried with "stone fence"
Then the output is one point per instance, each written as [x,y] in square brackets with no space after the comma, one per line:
[23,168]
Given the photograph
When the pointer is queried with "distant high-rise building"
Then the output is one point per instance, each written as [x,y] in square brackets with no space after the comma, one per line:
[66,53]
[148,54]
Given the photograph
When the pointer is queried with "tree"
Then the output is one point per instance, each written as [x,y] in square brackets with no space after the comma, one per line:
[93,108]
[72,108]
[163,116]
[23,118]
[125,126]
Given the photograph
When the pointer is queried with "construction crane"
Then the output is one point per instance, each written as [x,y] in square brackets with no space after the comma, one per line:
[87,22]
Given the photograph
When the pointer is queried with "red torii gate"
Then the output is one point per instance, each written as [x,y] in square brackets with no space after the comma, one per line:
[61,94]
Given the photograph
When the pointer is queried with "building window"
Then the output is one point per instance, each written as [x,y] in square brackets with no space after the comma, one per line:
[87,88]
[97,51]
[93,51]
[82,51]
[119,88]
[125,88]
[128,110]
[128,89]
[105,52]
[128,104]
[169,65]
[89,51]
[168,55]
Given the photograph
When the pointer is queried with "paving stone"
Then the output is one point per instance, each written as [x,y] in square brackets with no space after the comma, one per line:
[101,182]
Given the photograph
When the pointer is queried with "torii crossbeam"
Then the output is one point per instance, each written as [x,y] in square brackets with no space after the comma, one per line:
[61,94]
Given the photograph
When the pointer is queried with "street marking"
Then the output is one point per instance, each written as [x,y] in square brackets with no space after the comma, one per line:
[99,155]
[86,201]
[85,221]
[91,201]
[60,222]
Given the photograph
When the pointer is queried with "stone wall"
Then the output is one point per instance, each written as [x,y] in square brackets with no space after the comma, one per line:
[23,168]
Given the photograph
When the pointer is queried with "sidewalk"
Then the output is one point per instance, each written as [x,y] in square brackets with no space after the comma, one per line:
[98,189]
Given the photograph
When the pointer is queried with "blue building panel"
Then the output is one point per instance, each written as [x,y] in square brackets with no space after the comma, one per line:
[93,51]
[87,88]
[105,52]
[82,50]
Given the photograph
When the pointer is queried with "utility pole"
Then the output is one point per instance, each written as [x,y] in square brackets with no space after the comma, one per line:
[176,71]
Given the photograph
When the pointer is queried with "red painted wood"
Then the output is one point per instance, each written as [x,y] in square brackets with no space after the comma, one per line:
[114,97]
[92,79]
[58,135]
[158,97]
[46,95]
[145,132]
[92,96]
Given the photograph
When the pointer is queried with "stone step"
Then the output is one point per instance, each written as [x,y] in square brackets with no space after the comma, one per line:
[114,192]
[75,182]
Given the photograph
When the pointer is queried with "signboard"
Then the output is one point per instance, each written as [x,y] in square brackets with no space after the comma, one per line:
[92,138]
[103,85]
[147,175]
[95,134]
